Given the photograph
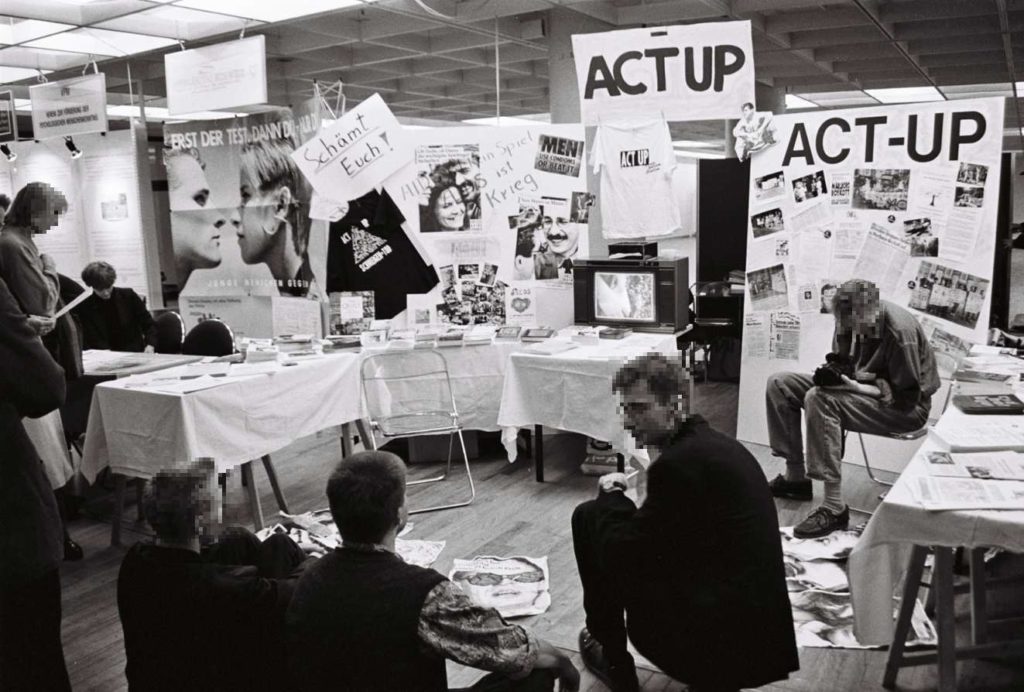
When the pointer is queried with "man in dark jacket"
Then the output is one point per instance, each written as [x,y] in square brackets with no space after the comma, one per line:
[364,620]
[697,569]
[208,621]
[113,318]
[31,384]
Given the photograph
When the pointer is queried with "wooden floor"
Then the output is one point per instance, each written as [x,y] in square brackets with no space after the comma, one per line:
[512,515]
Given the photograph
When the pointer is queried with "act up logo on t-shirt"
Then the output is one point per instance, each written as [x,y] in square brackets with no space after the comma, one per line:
[691,72]
[634,157]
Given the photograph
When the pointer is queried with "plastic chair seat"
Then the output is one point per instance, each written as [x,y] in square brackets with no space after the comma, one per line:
[419,423]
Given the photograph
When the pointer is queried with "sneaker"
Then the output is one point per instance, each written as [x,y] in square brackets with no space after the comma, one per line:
[792,490]
[822,522]
[618,678]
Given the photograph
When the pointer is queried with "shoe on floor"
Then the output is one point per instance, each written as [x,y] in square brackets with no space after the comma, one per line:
[821,522]
[72,551]
[791,490]
[618,678]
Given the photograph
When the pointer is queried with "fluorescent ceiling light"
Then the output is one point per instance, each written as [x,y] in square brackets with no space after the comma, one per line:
[16,74]
[503,121]
[174,22]
[827,99]
[102,42]
[694,144]
[14,31]
[794,102]
[46,60]
[269,10]
[683,154]
[906,94]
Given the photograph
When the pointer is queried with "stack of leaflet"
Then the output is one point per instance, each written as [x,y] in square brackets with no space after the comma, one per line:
[992,480]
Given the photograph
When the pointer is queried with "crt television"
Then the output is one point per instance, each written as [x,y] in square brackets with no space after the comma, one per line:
[646,295]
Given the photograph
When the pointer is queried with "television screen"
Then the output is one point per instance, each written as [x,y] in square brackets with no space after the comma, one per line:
[625,296]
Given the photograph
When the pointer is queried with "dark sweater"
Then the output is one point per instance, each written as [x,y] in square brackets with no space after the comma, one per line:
[120,323]
[353,625]
[701,564]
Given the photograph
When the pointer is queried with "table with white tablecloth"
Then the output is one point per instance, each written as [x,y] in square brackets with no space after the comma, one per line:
[572,390]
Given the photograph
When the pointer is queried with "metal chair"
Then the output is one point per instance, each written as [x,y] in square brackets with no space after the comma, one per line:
[408,394]
[707,327]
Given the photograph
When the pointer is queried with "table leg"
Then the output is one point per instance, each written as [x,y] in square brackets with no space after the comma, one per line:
[538,457]
[365,434]
[346,440]
[911,586]
[120,482]
[275,485]
[620,462]
[942,578]
[979,620]
[254,495]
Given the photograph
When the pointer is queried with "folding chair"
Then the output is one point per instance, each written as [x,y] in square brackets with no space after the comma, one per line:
[409,393]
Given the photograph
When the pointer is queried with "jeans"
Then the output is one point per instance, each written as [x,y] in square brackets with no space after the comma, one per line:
[275,558]
[829,413]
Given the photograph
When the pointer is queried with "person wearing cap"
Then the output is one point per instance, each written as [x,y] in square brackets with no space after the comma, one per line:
[894,379]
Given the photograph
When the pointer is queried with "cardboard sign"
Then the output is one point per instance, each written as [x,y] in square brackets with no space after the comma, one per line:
[692,72]
[357,153]
[73,106]
[224,75]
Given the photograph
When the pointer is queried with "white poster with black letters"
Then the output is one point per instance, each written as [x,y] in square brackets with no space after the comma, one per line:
[904,196]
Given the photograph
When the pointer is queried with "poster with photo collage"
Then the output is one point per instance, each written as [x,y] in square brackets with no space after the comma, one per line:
[494,208]
[903,196]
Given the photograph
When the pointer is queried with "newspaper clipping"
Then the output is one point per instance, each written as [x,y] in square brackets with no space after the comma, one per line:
[514,586]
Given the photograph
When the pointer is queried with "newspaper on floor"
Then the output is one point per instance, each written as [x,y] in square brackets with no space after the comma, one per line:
[835,546]
[824,619]
[938,493]
[1008,466]
[514,586]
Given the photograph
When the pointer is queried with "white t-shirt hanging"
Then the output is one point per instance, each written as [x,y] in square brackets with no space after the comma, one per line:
[635,162]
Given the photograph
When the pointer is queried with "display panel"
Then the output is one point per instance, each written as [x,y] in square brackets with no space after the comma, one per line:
[627,296]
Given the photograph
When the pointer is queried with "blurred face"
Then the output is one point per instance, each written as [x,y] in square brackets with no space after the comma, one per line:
[863,319]
[563,238]
[450,210]
[48,216]
[257,221]
[650,421]
[197,229]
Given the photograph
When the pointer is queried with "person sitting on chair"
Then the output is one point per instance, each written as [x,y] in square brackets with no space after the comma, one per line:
[894,378]
[701,553]
[362,619]
[113,318]
[210,620]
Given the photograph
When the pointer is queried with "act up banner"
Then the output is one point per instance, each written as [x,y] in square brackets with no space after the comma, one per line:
[356,154]
[691,72]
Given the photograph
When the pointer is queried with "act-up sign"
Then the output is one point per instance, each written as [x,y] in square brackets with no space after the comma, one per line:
[691,72]
[355,154]
[69,107]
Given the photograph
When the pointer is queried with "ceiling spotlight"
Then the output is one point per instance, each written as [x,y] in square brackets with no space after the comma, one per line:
[70,144]
[6,151]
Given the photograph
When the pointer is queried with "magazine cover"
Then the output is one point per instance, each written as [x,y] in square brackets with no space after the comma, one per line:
[514,586]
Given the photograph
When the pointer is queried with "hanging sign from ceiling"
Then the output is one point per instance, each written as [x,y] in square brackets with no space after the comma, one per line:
[224,75]
[73,106]
[689,72]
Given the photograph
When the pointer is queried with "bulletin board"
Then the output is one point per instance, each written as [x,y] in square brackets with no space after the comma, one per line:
[903,196]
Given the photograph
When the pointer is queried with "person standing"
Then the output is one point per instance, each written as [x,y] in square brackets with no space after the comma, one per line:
[113,318]
[694,576]
[31,384]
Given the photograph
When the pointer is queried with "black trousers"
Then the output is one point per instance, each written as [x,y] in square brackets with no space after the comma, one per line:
[537,681]
[31,654]
[275,558]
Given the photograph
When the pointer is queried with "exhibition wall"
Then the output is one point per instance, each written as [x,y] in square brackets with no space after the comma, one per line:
[904,196]
[110,208]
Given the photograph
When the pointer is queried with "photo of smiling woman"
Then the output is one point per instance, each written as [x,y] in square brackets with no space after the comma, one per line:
[446,208]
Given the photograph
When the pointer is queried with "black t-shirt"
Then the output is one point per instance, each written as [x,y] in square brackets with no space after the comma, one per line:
[369,251]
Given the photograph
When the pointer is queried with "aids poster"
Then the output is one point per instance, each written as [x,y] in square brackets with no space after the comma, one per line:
[493,209]
[685,72]
[240,206]
[903,196]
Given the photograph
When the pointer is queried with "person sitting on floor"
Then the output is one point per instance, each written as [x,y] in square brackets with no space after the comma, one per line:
[894,378]
[362,619]
[113,318]
[203,621]
[696,572]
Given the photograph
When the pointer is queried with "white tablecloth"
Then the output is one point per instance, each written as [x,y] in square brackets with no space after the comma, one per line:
[123,363]
[572,390]
[138,432]
[880,558]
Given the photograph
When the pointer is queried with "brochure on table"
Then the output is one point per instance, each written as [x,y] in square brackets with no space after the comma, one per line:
[107,213]
[903,196]
[237,249]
